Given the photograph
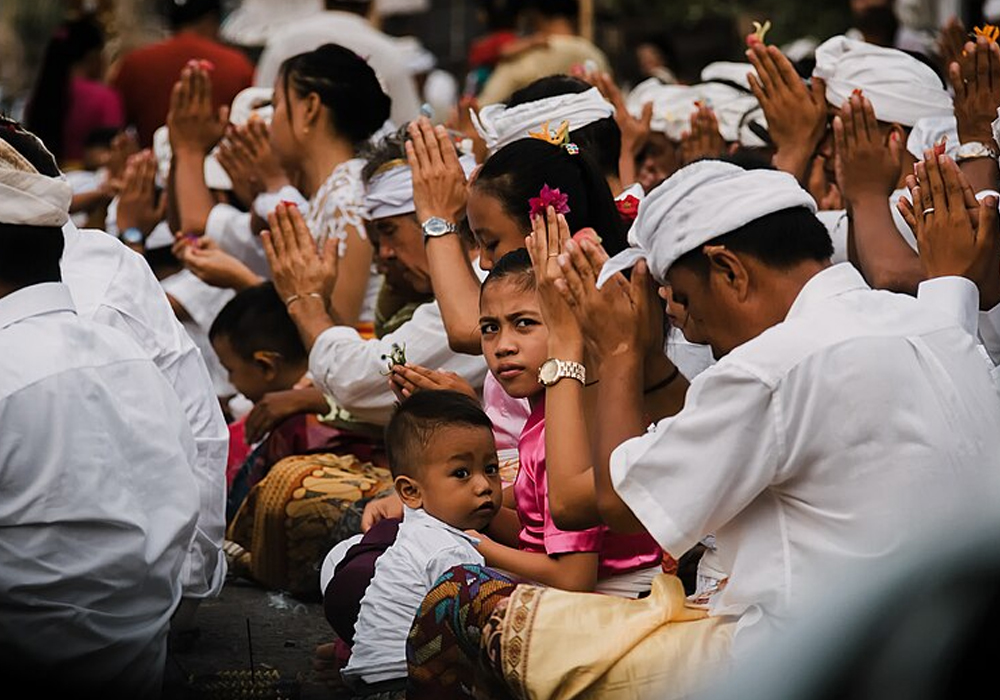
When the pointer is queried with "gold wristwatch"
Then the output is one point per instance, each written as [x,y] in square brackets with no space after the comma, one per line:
[552,370]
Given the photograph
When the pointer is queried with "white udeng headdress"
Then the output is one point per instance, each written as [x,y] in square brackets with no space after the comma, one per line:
[500,125]
[698,203]
[901,88]
[26,196]
[390,191]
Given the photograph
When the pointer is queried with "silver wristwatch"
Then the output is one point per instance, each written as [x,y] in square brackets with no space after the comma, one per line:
[552,370]
[435,227]
[976,149]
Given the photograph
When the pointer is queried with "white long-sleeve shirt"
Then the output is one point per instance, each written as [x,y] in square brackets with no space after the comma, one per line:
[97,498]
[114,286]
[830,439]
[354,373]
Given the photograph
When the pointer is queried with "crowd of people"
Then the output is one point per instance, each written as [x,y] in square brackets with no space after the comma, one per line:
[580,390]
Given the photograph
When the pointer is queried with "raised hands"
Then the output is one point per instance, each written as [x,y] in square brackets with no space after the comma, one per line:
[796,114]
[951,42]
[956,234]
[865,164]
[238,162]
[297,267]
[139,205]
[635,130]
[549,238]
[194,124]
[975,77]
[439,185]
[703,139]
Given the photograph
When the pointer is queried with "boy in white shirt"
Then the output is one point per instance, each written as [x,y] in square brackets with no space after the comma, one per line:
[444,461]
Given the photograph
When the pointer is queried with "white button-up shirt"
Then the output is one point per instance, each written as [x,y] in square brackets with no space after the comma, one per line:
[352,371]
[97,501]
[828,439]
[424,549]
[114,286]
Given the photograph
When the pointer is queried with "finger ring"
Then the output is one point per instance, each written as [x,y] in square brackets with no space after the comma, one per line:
[553,255]
[928,210]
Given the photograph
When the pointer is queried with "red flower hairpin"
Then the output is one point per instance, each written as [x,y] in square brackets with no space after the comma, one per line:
[628,207]
[549,197]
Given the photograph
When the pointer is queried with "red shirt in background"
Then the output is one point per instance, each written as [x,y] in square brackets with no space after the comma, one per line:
[146,78]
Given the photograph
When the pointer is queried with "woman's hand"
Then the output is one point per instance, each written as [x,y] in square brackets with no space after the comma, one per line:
[439,184]
[194,125]
[235,158]
[214,266]
[297,268]
[975,77]
[256,138]
[549,237]
[408,379]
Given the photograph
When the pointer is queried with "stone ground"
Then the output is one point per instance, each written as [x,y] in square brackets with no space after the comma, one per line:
[284,632]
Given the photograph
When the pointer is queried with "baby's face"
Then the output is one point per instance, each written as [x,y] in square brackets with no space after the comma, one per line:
[460,477]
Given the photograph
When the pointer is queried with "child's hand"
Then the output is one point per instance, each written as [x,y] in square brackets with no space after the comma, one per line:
[408,379]
[379,509]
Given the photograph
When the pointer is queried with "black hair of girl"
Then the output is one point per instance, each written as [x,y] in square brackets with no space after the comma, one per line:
[518,171]
[345,84]
[515,266]
[601,139]
[49,106]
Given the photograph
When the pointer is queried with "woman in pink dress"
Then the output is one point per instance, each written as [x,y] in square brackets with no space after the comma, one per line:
[70,100]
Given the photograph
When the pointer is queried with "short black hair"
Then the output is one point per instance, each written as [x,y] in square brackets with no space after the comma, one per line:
[416,420]
[30,254]
[256,319]
[600,140]
[515,266]
[568,9]
[346,85]
[181,13]
[29,146]
[780,240]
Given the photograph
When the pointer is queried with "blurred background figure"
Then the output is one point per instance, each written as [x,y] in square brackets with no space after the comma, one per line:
[70,100]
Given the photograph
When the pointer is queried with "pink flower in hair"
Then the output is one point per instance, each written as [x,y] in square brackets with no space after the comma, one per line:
[549,196]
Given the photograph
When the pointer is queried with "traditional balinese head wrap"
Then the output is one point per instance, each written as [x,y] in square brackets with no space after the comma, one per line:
[901,89]
[252,101]
[726,89]
[27,197]
[929,132]
[500,125]
[672,106]
[698,203]
[390,190]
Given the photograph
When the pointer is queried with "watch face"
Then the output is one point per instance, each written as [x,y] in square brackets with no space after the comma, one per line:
[435,227]
[133,236]
[548,371]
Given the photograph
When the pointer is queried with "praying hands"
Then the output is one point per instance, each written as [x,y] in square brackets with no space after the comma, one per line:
[193,123]
[439,185]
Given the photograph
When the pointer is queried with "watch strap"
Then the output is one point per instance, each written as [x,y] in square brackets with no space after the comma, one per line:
[566,369]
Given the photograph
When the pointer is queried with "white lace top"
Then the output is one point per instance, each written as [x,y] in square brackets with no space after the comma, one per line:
[338,205]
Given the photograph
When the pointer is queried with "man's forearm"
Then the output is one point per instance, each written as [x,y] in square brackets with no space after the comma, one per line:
[456,289]
[194,199]
[883,256]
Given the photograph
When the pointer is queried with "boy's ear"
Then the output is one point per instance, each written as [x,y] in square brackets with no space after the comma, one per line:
[409,491]
[267,363]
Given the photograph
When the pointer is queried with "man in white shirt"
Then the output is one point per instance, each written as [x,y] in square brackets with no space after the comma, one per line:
[344,22]
[96,457]
[113,286]
[837,423]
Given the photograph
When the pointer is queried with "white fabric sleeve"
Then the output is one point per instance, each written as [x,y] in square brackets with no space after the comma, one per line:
[265,202]
[989,332]
[231,229]
[955,296]
[351,370]
[693,472]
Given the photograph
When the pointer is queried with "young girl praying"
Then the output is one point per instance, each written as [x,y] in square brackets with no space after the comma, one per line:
[515,345]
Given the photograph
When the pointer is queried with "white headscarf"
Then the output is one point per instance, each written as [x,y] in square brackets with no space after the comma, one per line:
[927,132]
[390,192]
[673,106]
[500,125]
[26,196]
[698,203]
[901,88]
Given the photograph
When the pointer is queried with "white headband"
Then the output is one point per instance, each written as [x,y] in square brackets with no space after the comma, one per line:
[390,192]
[500,125]
[673,106]
[901,88]
[28,197]
[698,203]
[927,132]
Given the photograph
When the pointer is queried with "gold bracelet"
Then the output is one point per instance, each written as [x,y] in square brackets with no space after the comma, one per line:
[296,297]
